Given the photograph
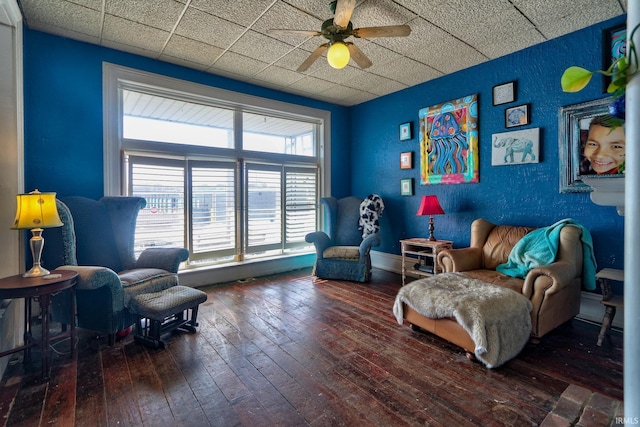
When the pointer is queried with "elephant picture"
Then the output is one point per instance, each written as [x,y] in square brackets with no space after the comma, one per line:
[518,147]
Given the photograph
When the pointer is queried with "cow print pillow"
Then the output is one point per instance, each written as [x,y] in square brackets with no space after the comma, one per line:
[370,212]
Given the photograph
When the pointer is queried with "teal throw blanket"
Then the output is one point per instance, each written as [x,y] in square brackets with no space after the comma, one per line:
[539,248]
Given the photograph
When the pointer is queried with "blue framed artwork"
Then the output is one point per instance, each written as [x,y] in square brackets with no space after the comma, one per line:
[405,131]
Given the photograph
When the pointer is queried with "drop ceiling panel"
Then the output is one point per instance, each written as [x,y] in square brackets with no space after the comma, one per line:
[208,28]
[161,14]
[192,50]
[312,85]
[285,16]
[239,65]
[260,47]
[277,76]
[241,12]
[55,16]
[123,31]
[373,13]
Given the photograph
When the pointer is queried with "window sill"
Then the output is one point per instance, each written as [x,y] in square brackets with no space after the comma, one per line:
[231,272]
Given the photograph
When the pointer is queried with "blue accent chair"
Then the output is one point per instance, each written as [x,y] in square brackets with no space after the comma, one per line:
[97,241]
[341,253]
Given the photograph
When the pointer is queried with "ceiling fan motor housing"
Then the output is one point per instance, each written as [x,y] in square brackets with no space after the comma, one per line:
[334,33]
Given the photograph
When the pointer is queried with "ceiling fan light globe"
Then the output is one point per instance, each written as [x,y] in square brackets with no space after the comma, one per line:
[338,55]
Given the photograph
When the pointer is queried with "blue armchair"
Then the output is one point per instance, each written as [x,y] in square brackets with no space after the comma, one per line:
[97,241]
[341,252]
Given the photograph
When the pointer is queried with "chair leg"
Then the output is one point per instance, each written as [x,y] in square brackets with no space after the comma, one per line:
[111,338]
[194,316]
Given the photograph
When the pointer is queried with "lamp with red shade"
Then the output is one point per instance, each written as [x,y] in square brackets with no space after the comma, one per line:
[430,206]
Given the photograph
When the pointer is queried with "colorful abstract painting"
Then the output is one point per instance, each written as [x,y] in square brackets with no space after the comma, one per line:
[449,142]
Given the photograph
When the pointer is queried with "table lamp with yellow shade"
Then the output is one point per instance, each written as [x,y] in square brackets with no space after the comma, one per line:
[36,211]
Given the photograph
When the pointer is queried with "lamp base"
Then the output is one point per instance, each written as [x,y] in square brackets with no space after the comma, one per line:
[36,271]
[37,243]
[431,237]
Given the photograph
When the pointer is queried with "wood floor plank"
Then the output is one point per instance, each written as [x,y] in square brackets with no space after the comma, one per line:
[119,391]
[188,355]
[59,409]
[91,408]
[177,390]
[148,388]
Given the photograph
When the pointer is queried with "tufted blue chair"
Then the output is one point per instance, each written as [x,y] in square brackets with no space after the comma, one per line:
[341,252]
[97,241]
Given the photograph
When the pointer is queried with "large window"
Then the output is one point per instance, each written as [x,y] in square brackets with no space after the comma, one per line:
[229,181]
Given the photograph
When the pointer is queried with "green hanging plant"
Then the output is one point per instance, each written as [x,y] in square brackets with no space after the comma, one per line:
[621,71]
[574,78]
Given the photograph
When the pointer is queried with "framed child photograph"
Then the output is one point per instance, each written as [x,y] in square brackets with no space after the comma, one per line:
[591,144]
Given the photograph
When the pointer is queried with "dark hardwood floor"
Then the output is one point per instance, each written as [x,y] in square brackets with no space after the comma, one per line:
[286,350]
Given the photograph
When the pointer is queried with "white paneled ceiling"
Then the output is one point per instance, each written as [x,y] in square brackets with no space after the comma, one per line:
[229,37]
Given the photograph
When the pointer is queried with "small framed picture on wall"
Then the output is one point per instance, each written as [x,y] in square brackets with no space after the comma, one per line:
[405,131]
[516,116]
[406,187]
[504,93]
[406,160]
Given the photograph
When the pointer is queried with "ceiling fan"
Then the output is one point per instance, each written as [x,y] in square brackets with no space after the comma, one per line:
[339,28]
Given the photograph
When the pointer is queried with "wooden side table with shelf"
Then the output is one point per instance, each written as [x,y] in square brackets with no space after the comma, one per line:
[419,256]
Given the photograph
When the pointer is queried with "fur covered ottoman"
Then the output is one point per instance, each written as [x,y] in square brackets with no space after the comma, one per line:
[497,319]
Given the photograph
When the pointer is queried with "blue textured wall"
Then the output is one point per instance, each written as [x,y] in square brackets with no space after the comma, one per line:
[63,112]
[63,136]
[517,194]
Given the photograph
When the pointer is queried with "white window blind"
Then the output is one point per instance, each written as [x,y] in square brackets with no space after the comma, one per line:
[263,208]
[300,205]
[213,207]
[161,183]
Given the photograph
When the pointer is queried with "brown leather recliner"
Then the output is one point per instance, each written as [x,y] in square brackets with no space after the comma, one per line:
[554,289]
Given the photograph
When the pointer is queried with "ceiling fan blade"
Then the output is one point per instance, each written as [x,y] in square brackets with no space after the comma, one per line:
[358,56]
[312,58]
[388,31]
[344,9]
[295,32]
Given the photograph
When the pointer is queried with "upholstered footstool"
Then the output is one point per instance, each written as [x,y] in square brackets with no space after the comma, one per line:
[165,311]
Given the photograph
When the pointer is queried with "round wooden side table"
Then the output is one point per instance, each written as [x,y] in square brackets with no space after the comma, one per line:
[41,289]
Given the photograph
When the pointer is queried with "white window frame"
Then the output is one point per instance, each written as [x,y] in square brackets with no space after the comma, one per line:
[114,75]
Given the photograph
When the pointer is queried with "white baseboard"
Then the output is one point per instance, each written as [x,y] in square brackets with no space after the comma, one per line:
[590,307]
[387,262]
[592,310]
